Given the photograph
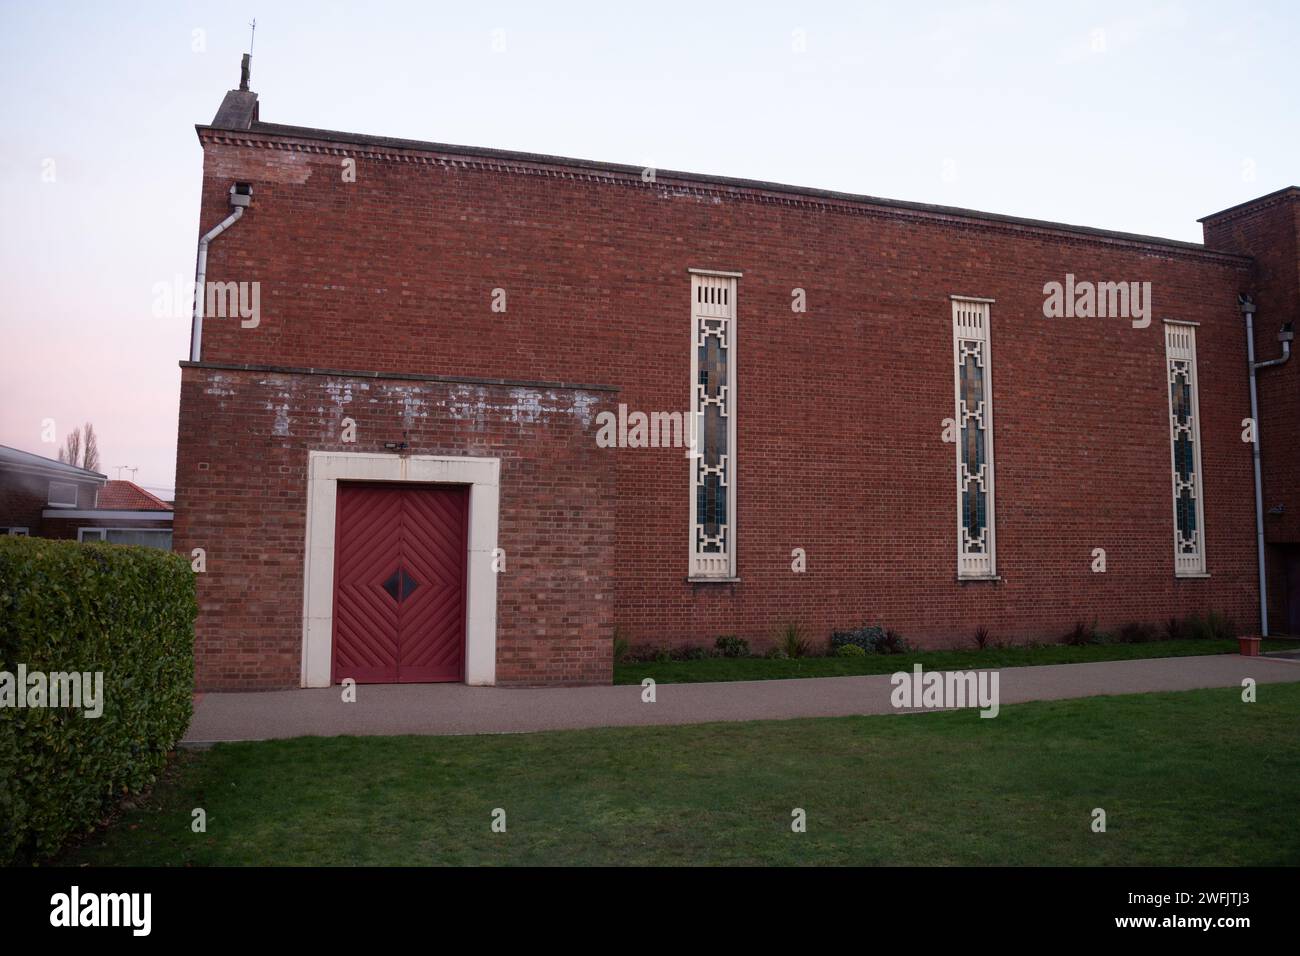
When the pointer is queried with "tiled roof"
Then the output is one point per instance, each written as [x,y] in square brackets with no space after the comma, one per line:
[128,496]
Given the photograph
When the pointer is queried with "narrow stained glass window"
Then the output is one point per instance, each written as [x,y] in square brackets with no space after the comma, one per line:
[974,422]
[1185,440]
[712,457]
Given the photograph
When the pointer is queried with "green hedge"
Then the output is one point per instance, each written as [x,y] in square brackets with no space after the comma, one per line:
[64,607]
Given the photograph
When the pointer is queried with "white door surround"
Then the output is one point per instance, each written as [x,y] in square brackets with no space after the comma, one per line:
[325,469]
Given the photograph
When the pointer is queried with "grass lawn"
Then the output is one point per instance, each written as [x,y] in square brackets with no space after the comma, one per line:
[762,668]
[1195,778]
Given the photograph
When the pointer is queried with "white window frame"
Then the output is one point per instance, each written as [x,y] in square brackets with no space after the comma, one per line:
[713,298]
[18,532]
[971,320]
[49,498]
[1180,346]
[101,534]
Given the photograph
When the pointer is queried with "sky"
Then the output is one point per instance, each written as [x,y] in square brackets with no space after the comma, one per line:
[1130,116]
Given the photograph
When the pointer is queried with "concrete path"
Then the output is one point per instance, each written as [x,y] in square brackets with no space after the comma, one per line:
[385,709]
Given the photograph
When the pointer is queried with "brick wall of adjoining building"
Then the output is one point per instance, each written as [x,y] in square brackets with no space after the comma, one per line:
[242,496]
[1269,231]
[840,409]
[24,497]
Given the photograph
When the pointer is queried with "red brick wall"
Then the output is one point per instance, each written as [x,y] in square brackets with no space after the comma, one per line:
[23,498]
[1269,230]
[242,497]
[840,409]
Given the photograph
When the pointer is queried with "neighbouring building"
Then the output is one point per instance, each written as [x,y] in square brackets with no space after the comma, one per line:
[36,493]
[124,513]
[455,413]
[44,498]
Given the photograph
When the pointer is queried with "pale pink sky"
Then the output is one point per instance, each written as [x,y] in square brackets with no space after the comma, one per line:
[1125,115]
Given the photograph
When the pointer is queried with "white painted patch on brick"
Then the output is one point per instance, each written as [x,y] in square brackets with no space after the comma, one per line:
[217,385]
[340,392]
[281,427]
[583,403]
[528,405]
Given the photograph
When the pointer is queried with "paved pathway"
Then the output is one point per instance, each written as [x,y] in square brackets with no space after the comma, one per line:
[457,709]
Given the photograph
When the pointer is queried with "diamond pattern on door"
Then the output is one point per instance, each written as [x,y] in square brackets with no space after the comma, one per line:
[399,583]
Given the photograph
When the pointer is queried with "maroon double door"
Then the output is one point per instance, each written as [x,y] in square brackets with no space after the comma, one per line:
[399,583]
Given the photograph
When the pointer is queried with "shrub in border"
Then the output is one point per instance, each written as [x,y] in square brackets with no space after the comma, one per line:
[1081,635]
[729,645]
[1221,626]
[125,611]
[1137,632]
[893,643]
[792,641]
[867,637]
[872,638]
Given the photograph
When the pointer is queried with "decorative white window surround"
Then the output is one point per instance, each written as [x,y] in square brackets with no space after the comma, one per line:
[1183,391]
[712,457]
[973,394]
[325,469]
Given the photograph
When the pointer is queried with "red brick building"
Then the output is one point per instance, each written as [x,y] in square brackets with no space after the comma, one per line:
[411,449]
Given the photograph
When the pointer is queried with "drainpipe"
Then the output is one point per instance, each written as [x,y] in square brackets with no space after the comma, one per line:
[241,194]
[1247,306]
